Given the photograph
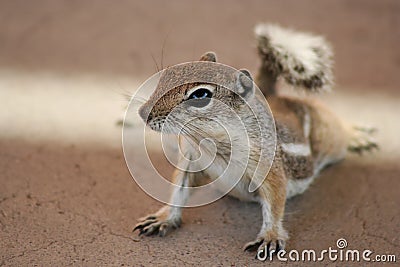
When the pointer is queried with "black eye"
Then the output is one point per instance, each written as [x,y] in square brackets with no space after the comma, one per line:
[200,94]
[200,98]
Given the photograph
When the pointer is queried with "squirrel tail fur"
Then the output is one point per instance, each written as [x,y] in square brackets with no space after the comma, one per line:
[303,60]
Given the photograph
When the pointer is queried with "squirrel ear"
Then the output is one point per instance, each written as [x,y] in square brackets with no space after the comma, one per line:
[209,56]
[244,83]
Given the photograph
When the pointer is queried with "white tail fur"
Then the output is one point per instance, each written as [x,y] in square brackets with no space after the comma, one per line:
[302,59]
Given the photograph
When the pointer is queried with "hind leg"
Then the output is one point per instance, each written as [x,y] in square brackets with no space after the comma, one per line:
[362,140]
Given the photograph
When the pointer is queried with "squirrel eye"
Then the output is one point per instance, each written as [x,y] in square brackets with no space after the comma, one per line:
[200,98]
[200,94]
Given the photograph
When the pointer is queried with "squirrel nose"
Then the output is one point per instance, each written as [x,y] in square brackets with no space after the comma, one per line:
[145,114]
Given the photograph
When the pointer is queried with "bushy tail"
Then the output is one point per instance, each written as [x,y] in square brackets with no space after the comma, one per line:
[303,60]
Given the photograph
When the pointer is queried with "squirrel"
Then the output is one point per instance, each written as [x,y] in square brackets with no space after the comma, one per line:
[309,137]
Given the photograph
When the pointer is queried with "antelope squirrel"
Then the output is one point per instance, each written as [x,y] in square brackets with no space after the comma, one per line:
[308,136]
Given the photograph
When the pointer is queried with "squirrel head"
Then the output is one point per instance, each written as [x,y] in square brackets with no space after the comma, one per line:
[203,105]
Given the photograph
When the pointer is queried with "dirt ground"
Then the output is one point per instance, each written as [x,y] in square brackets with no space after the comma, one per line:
[66,196]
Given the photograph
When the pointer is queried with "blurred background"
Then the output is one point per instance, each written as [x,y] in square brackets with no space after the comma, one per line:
[65,193]
[119,38]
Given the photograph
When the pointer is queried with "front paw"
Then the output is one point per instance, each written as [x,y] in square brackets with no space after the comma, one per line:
[156,224]
[265,247]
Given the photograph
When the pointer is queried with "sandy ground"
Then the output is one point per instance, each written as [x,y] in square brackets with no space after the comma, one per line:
[66,196]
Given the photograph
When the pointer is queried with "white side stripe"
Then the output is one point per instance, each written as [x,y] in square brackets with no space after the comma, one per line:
[307,124]
[297,149]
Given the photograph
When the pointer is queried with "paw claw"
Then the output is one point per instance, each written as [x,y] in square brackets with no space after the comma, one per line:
[265,246]
[270,248]
[253,245]
[151,229]
[146,218]
[153,224]
[164,228]
[143,224]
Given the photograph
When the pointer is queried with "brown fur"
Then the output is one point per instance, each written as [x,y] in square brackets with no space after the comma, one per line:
[328,136]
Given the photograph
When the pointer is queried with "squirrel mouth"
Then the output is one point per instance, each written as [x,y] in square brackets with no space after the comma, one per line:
[157,124]
[162,125]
